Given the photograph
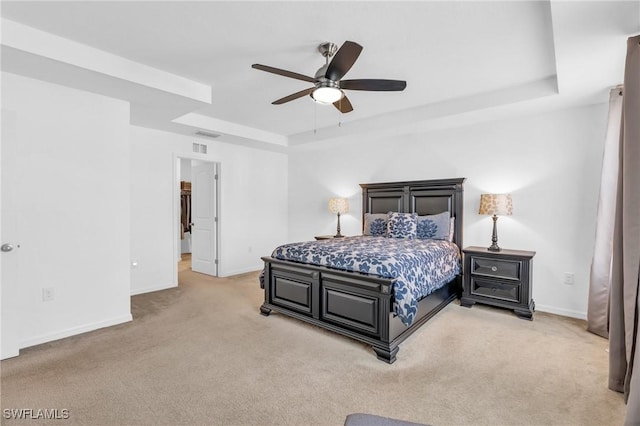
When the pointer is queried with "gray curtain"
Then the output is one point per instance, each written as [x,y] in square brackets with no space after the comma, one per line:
[624,354]
[600,282]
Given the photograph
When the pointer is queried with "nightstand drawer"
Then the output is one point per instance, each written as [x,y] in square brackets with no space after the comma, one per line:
[495,290]
[510,269]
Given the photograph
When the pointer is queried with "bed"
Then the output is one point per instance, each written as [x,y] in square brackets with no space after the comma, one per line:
[364,305]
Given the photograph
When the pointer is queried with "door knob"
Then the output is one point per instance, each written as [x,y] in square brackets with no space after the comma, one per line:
[6,247]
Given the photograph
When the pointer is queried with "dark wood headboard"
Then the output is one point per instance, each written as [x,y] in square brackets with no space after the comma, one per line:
[420,196]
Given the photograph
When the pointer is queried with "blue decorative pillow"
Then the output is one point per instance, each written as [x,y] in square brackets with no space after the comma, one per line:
[375,224]
[402,225]
[434,226]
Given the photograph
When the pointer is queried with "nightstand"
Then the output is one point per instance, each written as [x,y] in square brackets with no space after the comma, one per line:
[502,278]
[325,237]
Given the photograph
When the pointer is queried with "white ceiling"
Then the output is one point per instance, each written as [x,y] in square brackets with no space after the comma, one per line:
[463,61]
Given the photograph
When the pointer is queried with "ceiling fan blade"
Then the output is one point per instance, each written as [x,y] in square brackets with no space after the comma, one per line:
[285,73]
[343,105]
[343,60]
[294,96]
[374,85]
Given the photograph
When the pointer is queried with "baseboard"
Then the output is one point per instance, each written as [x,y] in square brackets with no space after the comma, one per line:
[560,311]
[74,331]
[152,289]
[241,271]
[7,355]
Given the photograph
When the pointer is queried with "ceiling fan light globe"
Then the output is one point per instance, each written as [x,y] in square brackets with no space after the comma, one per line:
[327,95]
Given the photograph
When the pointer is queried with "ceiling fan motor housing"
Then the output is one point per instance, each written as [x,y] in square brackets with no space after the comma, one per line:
[326,91]
[320,74]
[324,82]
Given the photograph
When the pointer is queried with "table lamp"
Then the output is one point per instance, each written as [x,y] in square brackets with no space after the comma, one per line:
[339,206]
[496,205]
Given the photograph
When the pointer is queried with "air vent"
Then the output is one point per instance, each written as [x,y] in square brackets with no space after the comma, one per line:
[207,134]
[199,147]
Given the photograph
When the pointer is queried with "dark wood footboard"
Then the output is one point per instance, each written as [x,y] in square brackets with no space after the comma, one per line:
[352,304]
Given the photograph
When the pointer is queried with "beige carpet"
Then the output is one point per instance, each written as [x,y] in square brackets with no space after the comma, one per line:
[202,354]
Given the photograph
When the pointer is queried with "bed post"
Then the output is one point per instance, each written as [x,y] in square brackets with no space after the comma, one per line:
[265,280]
[386,354]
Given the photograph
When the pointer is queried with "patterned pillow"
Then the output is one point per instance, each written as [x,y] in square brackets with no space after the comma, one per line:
[435,226]
[402,225]
[375,224]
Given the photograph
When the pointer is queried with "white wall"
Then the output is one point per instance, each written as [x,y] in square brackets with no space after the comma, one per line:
[252,211]
[185,169]
[550,163]
[70,154]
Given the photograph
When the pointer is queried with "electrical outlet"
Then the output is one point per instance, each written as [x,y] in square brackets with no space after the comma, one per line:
[250,249]
[568,278]
[48,294]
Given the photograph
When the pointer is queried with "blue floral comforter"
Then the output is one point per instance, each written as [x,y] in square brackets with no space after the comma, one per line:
[419,266]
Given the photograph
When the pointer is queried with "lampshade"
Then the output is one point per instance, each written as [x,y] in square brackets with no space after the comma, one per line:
[498,204]
[327,95]
[338,205]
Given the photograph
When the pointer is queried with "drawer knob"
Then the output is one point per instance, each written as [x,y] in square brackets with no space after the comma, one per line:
[494,268]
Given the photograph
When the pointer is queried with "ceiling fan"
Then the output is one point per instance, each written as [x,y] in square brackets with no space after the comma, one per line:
[328,84]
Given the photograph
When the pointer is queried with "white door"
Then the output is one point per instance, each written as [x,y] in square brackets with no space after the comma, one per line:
[204,258]
[9,226]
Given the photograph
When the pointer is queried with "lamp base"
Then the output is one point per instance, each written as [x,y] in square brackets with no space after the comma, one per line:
[494,236]
[338,234]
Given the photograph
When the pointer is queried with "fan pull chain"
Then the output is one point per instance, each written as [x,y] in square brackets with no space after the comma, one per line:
[315,118]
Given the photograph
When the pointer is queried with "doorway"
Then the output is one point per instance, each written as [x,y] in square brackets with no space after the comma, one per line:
[196,207]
